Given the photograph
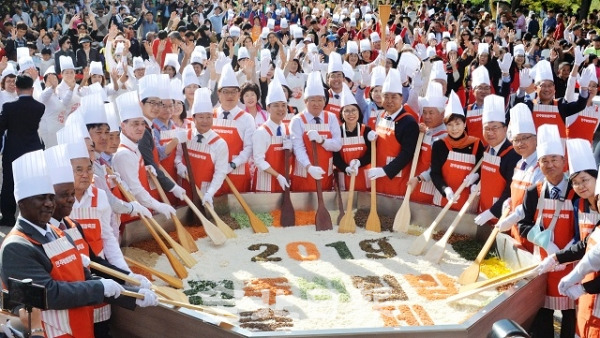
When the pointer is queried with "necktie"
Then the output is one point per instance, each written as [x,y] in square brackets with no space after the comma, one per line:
[225,114]
[555,193]
[336,96]
[279,131]
[49,236]
[62,226]
[317,120]
[493,151]
[523,165]
[389,118]
[199,139]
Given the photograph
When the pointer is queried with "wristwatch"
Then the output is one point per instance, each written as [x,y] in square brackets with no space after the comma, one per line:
[232,165]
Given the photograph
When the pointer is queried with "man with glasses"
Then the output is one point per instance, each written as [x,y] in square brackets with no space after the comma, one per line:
[164,130]
[335,80]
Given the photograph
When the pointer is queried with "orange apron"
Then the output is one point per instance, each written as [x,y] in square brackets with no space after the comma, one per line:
[227,130]
[66,267]
[424,191]
[354,148]
[90,223]
[492,180]
[563,233]
[202,163]
[275,156]
[301,179]
[409,110]
[549,114]
[388,148]
[80,243]
[584,124]
[475,124]
[334,107]
[587,220]
[588,305]
[521,181]
[455,169]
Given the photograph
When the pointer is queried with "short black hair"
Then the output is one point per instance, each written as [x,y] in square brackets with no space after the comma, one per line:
[91,126]
[453,117]
[24,82]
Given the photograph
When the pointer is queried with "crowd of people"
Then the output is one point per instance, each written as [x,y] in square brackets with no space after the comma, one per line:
[208,90]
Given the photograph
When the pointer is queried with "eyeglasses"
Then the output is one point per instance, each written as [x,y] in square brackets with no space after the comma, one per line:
[483,87]
[522,139]
[492,129]
[154,103]
[581,183]
[81,171]
[229,91]
[168,106]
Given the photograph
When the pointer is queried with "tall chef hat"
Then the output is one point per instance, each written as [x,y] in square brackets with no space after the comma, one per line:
[451,46]
[243,53]
[96,68]
[92,107]
[377,76]
[521,120]
[50,70]
[189,76]
[275,92]
[375,37]
[480,76]
[202,103]
[549,142]
[22,52]
[128,106]
[581,155]
[314,85]
[66,63]
[543,71]
[437,71]
[454,107]
[483,48]
[112,116]
[59,167]
[392,83]
[519,50]
[435,97]
[138,63]
[148,87]
[347,96]
[335,63]
[365,45]
[281,77]
[493,109]
[31,176]
[175,92]
[228,78]
[348,71]
[352,47]
[172,59]
[392,54]
[74,139]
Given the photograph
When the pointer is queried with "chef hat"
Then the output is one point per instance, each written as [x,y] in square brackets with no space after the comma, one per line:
[431,36]
[347,96]
[30,176]
[265,32]
[581,155]
[392,54]
[483,48]
[348,71]
[451,46]
[129,106]
[446,34]
[9,70]
[592,68]
[175,90]
[352,47]
[96,88]
[58,165]
[202,103]
[164,86]
[243,53]
[112,116]
[283,23]
[73,135]
[480,76]
[22,52]
[296,32]
[234,31]
[543,71]
[25,63]
[189,76]
[148,87]
[271,24]
[50,70]
[228,78]
[335,63]
[92,107]
[275,92]
[119,48]
[138,63]
[96,68]
[365,45]
[435,97]
[312,48]
[151,68]
[519,50]
[393,82]
[197,58]
[368,17]
[454,107]
[493,109]
[521,120]
[65,63]
[375,37]
[78,149]
[353,22]
[377,76]
[438,71]
[314,85]
[265,54]
[549,142]
[172,59]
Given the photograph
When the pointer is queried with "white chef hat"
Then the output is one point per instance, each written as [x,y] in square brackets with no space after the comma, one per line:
[228,78]
[446,34]
[96,68]
[30,176]
[74,128]
[234,31]
[431,36]
[592,67]
[549,142]
[283,23]
[151,68]
[9,70]
[493,109]
[581,155]
[22,52]
[275,92]
[543,71]
[119,48]
[128,106]
[314,85]
[189,76]
[25,63]
[58,165]
[521,120]
[480,76]
[335,63]
[392,54]
[451,46]
[347,96]
[164,86]
[96,88]
[92,107]
[375,37]
[438,72]
[66,63]
[112,116]
[431,52]
[483,48]
[50,70]
[265,33]
[271,24]
[172,59]
[280,76]
[138,63]
[519,50]
[352,47]
[175,91]
[265,54]
[243,53]
[393,82]
[454,107]
[348,71]
[434,97]
[202,103]
[148,87]
[377,76]
[365,45]
[296,32]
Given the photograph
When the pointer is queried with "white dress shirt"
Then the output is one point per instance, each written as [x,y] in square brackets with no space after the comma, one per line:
[261,140]
[246,126]
[297,131]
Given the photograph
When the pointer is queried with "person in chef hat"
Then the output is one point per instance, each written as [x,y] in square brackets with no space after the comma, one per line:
[355,156]
[269,143]
[373,107]
[314,125]
[485,59]
[68,89]
[453,157]
[554,195]
[335,81]
[190,82]
[171,65]
[526,173]
[397,133]
[432,108]
[9,89]
[208,152]
[55,113]
[366,52]
[584,124]
[498,164]
[481,88]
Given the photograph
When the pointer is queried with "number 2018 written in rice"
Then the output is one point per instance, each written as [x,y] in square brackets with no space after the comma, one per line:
[374,248]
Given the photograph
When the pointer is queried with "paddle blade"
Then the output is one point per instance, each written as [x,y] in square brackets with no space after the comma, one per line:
[323,219]
[373,222]
[170,293]
[470,275]
[419,245]
[435,253]
[185,238]
[402,219]
[288,215]
[347,224]
[257,224]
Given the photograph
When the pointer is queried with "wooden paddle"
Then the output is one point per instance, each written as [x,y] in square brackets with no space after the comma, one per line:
[402,219]
[373,222]
[212,231]
[338,196]
[322,218]
[185,238]
[214,312]
[471,274]
[384,16]
[348,224]
[487,282]
[174,282]
[288,215]
[221,225]
[435,253]
[184,255]
[421,242]
[257,224]
[190,177]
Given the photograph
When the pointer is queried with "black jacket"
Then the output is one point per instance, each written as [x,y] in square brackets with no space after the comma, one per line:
[21,120]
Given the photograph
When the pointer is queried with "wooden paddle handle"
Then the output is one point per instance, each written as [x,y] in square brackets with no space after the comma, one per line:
[171,280]
[114,273]
[415,160]
[160,189]
[489,286]
[479,285]
[457,219]
[238,196]
[316,163]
